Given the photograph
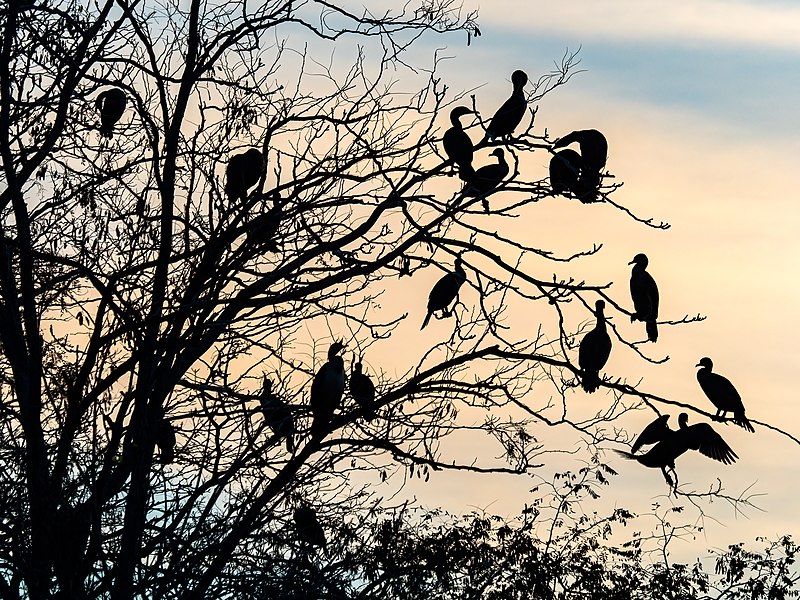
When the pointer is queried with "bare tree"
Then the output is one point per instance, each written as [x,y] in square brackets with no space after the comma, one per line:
[196,210]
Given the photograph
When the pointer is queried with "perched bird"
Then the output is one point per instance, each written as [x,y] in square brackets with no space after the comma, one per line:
[327,390]
[165,440]
[262,229]
[644,293]
[509,115]
[594,351]
[700,436]
[565,169]
[308,528]
[457,144]
[722,394]
[111,104]
[277,414]
[445,291]
[363,390]
[594,153]
[243,172]
[487,178]
[653,433]
[593,144]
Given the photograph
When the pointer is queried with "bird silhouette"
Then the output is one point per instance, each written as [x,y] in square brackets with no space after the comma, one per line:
[363,390]
[594,153]
[243,172]
[165,439]
[509,115]
[644,293]
[700,436]
[457,144]
[261,231]
[445,291]
[722,394]
[327,390]
[308,528]
[111,104]
[593,145]
[277,414]
[565,169]
[652,434]
[594,351]
[487,178]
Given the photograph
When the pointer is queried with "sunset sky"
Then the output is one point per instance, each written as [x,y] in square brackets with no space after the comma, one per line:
[699,104]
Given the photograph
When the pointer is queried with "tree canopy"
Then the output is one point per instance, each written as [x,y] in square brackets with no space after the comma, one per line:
[210,218]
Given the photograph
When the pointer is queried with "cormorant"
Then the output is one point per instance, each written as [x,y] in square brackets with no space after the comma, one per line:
[593,144]
[487,178]
[445,291]
[700,436]
[594,153]
[363,390]
[565,169]
[326,390]
[509,115]
[594,351]
[277,414]
[165,439]
[111,104]
[457,144]
[308,528]
[243,172]
[653,433]
[261,230]
[644,293]
[722,394]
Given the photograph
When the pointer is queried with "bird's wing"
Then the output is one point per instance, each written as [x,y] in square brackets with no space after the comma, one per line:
[724,386]
[654,432]
[651,289]
[702,437]
[444,292]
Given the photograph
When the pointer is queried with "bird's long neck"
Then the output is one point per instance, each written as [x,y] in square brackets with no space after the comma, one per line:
[460,272]
[456,121]
[601,321]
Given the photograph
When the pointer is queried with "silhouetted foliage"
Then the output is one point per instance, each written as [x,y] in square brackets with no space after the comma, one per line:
[176,299]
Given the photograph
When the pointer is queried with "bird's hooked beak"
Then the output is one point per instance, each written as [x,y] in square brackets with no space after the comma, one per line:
[633,262]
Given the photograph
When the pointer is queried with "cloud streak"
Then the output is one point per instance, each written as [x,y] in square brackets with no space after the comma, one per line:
[701,21]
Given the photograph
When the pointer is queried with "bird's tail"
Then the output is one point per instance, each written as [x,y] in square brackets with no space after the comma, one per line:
[743,422]
[590,381]
[485,203]
[425,322]
[652,331]
[106,130]
[290,443]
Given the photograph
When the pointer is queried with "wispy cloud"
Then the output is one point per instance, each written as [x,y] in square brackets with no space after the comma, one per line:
[700,21]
